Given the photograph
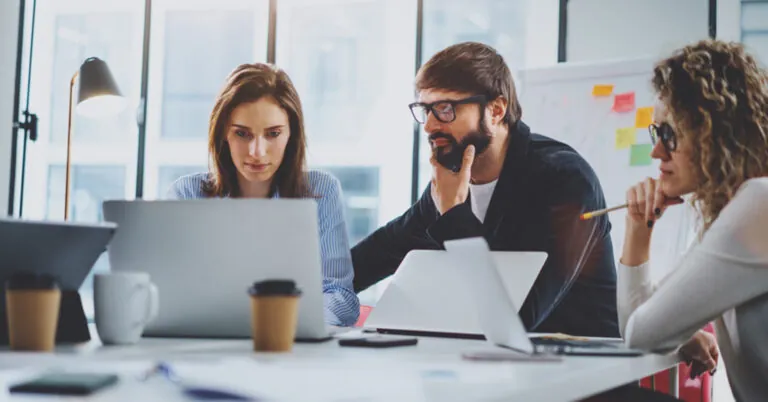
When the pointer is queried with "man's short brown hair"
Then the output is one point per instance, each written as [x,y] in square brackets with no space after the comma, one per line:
[473,68]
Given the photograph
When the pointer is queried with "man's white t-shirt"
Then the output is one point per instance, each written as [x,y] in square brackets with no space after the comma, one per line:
[481,197]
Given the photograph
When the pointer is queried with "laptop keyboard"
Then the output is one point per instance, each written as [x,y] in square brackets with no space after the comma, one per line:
[550,342]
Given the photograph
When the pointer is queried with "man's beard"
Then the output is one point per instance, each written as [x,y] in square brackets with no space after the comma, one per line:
[451,156]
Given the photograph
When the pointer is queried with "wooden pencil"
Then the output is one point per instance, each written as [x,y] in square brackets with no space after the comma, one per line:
[593,214]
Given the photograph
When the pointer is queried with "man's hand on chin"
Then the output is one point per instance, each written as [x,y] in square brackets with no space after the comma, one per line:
[450,189]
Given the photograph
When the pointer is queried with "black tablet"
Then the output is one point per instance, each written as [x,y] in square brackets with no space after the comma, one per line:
[65,250]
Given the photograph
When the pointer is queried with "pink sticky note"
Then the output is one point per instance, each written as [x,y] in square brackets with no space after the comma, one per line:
[623,103]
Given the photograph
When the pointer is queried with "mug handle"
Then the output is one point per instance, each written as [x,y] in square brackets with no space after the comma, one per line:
[153,303]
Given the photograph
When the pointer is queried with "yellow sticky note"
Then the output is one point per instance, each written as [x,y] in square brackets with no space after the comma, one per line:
[644,117]
[626,137]
[602,90]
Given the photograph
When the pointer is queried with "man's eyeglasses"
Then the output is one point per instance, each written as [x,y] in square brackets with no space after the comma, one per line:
[443,110]
[664,133]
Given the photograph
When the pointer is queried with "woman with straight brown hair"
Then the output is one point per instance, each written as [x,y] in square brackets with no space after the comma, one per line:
[257,148]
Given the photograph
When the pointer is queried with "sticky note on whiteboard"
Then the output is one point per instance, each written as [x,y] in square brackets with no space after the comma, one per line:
[640,155]
[623,103]
[625,137]
[644,117]
[602,90]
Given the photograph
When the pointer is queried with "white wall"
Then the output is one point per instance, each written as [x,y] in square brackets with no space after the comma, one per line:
[9,27]
[616,29]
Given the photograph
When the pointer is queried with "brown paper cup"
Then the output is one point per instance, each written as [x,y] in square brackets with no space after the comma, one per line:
[273,322]
[32,318]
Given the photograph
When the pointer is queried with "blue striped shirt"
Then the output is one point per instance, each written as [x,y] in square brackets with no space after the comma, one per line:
[342,306]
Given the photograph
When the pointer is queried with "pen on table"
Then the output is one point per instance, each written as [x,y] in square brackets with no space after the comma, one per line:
[197,393]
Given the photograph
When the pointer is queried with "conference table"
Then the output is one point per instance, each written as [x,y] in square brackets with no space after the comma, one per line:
[432,370]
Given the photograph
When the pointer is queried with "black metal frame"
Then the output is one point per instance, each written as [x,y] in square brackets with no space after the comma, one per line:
[415,190]
[562,34]
[16,106]
[142,121]
[29,125]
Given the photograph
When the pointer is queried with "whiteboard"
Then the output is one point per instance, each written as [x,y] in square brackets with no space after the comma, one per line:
[559,102]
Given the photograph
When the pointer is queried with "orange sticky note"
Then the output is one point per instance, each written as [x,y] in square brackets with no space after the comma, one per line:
[644,117]
[602,90]
[626,137]
[623,103]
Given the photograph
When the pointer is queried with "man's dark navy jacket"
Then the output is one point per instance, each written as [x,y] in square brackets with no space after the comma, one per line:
[543,188]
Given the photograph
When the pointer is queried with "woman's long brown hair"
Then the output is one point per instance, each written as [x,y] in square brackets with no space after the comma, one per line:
[249,83]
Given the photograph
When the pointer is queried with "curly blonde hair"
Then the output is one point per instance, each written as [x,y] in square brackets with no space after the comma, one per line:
[718,98]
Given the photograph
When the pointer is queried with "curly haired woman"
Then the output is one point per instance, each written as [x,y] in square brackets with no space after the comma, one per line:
[711,138]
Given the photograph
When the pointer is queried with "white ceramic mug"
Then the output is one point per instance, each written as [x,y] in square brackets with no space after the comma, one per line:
[124,303]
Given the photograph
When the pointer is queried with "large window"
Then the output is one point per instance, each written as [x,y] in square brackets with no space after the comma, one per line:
[104,150]
[89,186]
[194,45]
[77,37]
[754,28]
[361,198]
[67,33]
[201,48]
[498,23]
[355,91]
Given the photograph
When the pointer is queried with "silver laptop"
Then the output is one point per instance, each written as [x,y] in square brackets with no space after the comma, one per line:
[498,315]
[204,254]
[427,294]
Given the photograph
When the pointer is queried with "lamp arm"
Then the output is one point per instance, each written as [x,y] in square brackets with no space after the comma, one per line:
[69,145]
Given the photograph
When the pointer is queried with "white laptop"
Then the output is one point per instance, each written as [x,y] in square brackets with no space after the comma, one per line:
[497,312]
[428,295]
[204,254]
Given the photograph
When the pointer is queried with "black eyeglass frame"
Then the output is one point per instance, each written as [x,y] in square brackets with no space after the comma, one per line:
[430,107]
[665,133]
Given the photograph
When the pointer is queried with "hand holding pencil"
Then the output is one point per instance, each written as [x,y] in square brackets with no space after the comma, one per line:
[646,202]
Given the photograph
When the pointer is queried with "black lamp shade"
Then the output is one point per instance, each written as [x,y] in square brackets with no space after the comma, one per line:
[98,93]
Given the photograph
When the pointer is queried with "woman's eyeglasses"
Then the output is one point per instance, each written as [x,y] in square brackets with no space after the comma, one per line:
[664,133]
[443,110]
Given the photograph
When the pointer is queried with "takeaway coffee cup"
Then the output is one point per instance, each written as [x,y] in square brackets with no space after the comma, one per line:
[274,314]
[32,307]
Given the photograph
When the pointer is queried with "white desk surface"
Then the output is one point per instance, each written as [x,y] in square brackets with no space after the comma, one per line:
[431,371]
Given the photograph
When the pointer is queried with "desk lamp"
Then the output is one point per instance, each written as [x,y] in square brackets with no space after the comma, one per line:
[98,96]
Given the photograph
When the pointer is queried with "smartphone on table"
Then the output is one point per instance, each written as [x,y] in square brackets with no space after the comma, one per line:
[378,341]
[79,384]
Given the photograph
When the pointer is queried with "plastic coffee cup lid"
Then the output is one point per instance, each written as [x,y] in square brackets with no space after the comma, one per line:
[30,281]
[274,287]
